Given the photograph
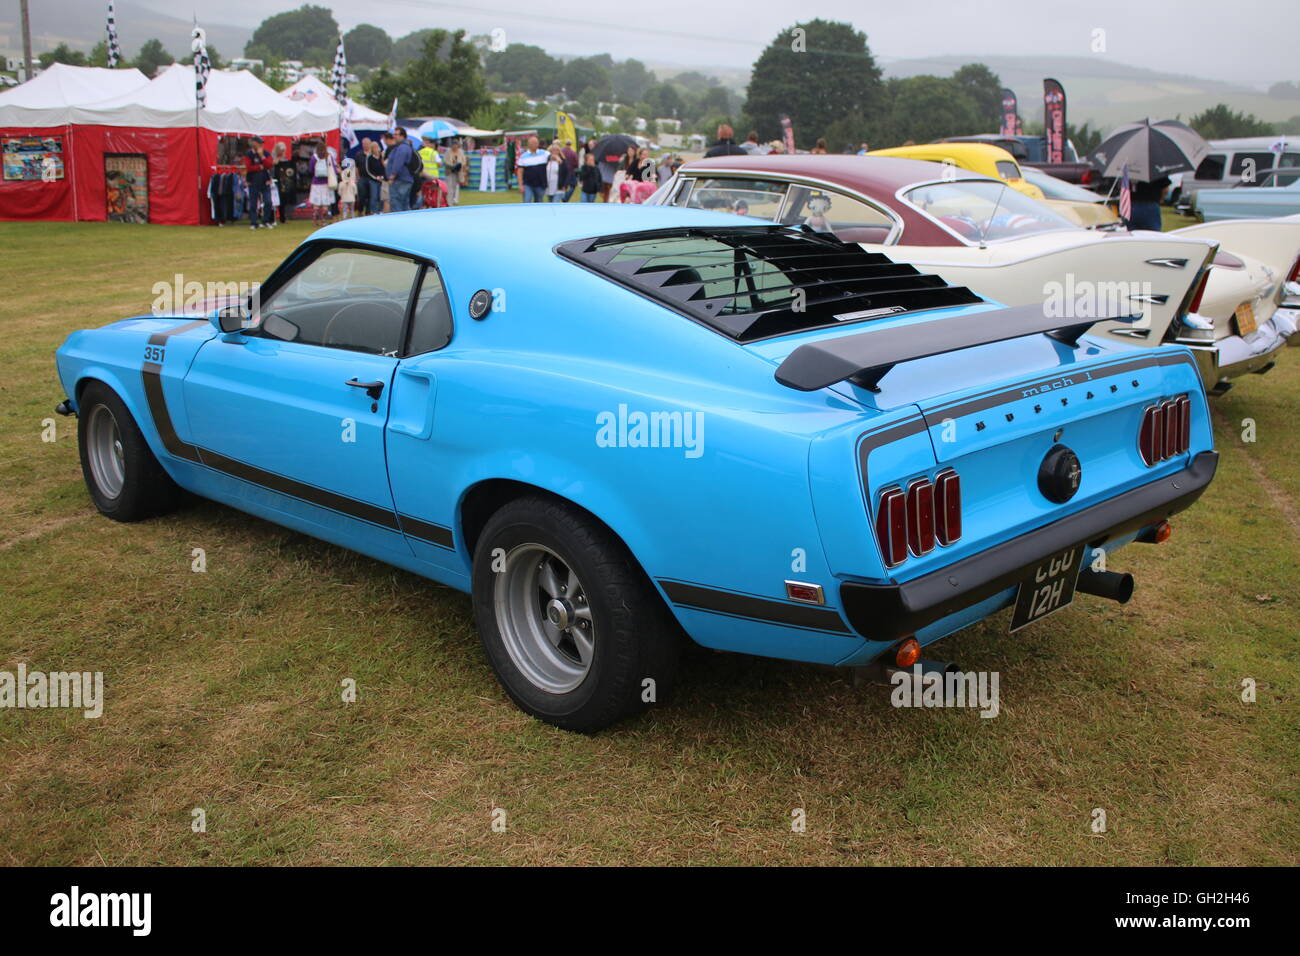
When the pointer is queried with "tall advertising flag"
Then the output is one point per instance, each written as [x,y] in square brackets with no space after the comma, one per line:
[1054,119]
[202,65]
[340,78]
[114,50]
[565,130]
[1009,110]
[787,133]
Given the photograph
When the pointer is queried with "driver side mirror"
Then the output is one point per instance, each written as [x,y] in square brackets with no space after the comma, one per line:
[232,318]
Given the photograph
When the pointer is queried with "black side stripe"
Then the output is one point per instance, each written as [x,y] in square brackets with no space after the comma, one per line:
[151,375]
[753,607]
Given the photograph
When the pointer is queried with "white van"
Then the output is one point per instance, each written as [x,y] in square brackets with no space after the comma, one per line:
[1231,160]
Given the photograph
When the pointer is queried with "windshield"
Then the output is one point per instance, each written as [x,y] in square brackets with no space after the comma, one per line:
[985,210]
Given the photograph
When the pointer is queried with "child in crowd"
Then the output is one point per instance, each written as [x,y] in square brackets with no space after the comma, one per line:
[347,189]
[589,177]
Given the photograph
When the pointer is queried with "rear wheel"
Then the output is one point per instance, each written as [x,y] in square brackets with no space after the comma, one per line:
[575,632]
[123,476]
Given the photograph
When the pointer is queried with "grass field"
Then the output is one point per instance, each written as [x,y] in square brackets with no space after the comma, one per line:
[223,688]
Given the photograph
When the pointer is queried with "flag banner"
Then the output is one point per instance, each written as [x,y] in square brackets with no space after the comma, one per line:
[340,75]
[202,65]
[1054,119]
[565,130]
[1125,198]
[114,50]
[392,117]
[1010,119]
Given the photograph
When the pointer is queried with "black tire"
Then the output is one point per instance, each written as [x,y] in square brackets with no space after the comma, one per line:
[146,490]
[635,637]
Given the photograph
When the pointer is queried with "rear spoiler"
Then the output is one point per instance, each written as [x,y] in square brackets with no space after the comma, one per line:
[867,357]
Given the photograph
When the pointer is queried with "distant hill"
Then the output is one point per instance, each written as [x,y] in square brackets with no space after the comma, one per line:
[1104,92]
[80,24]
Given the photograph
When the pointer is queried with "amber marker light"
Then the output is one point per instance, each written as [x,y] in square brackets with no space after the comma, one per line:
[908,653]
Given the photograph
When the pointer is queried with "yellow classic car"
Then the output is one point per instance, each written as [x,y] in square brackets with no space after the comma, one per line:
[983,158]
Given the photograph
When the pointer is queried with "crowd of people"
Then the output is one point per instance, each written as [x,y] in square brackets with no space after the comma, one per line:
[558,171]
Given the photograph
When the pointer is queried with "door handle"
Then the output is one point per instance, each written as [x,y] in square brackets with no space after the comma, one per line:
[373,389]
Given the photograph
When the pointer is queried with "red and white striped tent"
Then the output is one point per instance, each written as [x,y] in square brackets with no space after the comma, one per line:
[90,114]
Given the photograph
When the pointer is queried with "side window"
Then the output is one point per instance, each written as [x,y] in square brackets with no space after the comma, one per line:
[431,322]
[745,197]
[1211,167]
[352,299]
[851,219]
[1008,170]
[1258,163]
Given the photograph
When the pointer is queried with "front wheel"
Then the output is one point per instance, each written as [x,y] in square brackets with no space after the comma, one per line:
[123,476]
[577,635]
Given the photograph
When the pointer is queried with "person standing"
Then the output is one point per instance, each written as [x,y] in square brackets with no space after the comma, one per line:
[457,172]
[571,162]
[531,167]
[324,180]
[557,175]
[397,169]
[347,189]
[726,144]
[286,177]
[430,167]
[589,177]
[257,174]
[372,170]
[820,149]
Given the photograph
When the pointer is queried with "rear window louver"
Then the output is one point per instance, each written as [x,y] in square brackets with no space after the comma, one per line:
[754,282]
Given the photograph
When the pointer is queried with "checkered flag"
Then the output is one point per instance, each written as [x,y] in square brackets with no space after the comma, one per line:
[202,65]
[340,75]
[114,50]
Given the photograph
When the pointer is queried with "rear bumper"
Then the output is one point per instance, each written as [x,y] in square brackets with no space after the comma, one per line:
[887,612]
[1234,356]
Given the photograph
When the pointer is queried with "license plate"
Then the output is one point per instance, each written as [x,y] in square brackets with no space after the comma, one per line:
[1047,588]
[1245,316]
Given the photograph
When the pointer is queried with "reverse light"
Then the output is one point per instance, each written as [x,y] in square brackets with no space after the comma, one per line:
[1166,430]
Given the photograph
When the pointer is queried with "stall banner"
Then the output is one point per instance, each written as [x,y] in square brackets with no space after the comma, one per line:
[33,158]
[126,187]
[1054,119]
[1009,113]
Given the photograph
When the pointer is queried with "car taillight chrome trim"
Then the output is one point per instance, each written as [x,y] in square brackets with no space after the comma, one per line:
[916,520]
[891,526]
[1166,430]
[920,516]
[947,507]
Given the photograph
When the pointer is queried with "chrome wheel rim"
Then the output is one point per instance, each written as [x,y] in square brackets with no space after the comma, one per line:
[104,448]
[544,619]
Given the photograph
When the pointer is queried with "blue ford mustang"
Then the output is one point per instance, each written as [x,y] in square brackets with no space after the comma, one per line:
[616,425]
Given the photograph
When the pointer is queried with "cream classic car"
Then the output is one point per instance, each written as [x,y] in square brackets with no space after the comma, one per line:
[974,231]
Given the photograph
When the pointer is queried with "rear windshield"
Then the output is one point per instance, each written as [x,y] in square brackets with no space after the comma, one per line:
[753,282]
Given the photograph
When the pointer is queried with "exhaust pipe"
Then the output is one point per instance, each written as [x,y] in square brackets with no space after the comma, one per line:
[882,673]
[1106,584]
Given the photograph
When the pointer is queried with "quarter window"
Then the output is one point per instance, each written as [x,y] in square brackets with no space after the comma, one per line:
[1211,167]
[745,197]
[431,320]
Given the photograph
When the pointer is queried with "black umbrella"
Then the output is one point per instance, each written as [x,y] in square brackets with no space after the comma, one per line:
[613,147]
[1149,150]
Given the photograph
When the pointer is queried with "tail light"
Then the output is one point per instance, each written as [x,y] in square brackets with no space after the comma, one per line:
[1166,430]
[1295,271]
[914,521]
[1200,291]
[1087,177]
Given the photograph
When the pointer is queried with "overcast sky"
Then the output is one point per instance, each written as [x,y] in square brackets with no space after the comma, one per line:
[1245,41]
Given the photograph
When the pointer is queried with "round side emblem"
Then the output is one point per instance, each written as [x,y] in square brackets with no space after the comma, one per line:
[480,304]
[1059,474]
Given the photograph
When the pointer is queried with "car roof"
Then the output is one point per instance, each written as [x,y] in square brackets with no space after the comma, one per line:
[874,175]
[970,152]
[505,231]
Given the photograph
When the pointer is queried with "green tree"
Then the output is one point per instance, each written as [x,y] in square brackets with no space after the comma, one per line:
[984,88]
[630,80]
[152,57]
[813,72]
[1085,138]
[62,54]
[409,47]
[524,68]
[98,55]
[446,79]
[663,101]
[309,33]
[1220,122]
[924,108]
[582,75]
[367,45]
